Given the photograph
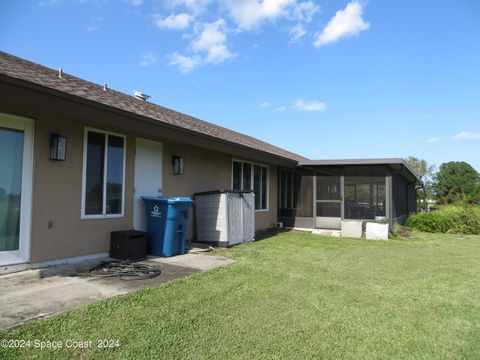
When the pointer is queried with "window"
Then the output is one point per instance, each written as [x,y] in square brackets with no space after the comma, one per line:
[289,189]
[103,174]
[248,176]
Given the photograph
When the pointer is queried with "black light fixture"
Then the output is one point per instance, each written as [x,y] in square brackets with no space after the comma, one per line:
[177,165]
[58,147]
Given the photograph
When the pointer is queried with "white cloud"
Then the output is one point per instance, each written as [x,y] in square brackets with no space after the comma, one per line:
[272,8]
[136,2]
[212,34]
[185,63]
[280,109]
[314,105]
[173,21]
[218,54]
[264,104]
[464,135]
[305,11]
[248,14]
[209,45]
[346,22]
[93,23]
[296,33]
[211,40]
[148,59]
[433,140]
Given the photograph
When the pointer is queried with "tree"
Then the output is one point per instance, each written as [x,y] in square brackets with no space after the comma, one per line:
[457,181]
[425,172]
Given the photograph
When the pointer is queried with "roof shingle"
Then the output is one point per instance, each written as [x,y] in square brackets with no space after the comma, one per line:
[18,68]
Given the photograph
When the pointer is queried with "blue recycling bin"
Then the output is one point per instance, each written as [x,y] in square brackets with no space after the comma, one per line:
[167,220]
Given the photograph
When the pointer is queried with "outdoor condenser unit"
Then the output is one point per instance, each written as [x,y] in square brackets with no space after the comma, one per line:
[128,245]
[225,217]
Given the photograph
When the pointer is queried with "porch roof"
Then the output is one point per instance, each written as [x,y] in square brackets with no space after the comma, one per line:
[398,164]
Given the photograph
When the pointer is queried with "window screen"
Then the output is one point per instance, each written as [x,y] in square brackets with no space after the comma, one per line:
[104,174]
[364,197]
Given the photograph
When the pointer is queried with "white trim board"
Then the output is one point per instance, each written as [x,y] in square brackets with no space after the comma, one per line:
[267,209]
[104,215]
[22,255]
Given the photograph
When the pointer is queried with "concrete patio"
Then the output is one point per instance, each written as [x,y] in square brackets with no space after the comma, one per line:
[35,294]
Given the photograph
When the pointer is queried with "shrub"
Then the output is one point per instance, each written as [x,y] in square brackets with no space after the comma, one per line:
[447,219]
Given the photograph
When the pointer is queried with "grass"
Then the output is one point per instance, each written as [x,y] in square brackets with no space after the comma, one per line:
[293,295]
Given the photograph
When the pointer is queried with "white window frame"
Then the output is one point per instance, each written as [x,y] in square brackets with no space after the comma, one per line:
[267,209]
[27,125]
[104,214]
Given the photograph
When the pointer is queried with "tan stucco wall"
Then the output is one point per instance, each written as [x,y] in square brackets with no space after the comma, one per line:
[207,170]
[57,186]
[57,197]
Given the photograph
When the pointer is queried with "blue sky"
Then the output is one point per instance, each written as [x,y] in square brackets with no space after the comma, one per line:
[325,79]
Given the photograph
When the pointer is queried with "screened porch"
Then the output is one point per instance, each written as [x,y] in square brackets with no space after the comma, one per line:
[322,195]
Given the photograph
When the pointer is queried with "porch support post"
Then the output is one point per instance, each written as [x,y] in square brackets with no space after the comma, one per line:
[314,177]
[342,197]
[388,199]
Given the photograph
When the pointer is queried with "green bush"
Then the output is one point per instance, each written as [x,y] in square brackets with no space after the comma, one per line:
[448,219]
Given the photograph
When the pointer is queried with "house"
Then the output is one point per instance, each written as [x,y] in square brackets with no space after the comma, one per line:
[115,148]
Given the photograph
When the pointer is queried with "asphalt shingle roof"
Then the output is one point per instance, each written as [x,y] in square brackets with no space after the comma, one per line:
[18,68]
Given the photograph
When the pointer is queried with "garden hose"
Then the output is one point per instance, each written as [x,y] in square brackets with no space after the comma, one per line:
[125,270]
[197,248]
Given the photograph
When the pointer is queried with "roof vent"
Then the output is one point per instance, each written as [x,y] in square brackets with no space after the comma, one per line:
[142,96]
[60,73]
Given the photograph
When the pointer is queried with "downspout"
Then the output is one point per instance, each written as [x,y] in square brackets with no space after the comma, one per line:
[402,167]
[425,192]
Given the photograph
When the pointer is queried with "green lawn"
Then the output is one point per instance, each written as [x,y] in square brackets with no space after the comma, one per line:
[294,295]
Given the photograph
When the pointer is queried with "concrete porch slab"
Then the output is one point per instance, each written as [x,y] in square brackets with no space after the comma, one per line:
[327,232]
[194,261]
[35,294]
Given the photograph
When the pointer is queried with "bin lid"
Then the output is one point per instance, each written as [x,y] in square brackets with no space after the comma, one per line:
[168,200]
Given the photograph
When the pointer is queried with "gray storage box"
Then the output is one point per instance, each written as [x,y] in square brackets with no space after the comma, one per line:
[225,217]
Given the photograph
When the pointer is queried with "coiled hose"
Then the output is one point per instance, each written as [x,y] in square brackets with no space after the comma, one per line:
[125,270]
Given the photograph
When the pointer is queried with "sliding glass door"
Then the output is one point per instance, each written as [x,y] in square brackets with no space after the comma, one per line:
[15,188]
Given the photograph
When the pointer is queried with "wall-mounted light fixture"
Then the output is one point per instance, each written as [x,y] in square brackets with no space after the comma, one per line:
[58,147]
[177,165]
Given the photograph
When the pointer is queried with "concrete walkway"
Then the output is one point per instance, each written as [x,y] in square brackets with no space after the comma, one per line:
[35,294]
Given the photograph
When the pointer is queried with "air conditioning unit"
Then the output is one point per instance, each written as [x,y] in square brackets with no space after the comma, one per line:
[128,245]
